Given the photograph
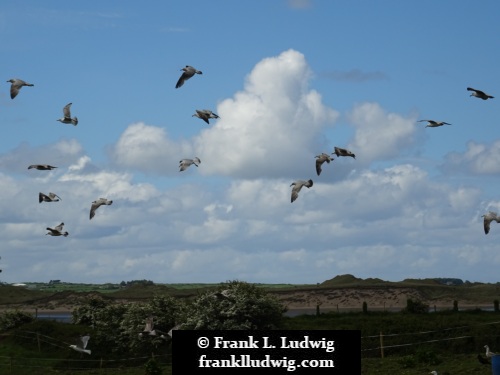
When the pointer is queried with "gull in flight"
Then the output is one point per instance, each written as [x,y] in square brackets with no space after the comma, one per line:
[188,72]
[16,85]
[297,185]
[67,116]
[205,115]
[488,218]
[343,152]
[57,231]
[479,94]
[51,197]
[41,167]
[320,159]
[434,124]
[81,345]
[185,163]
[98,203]
[150,330]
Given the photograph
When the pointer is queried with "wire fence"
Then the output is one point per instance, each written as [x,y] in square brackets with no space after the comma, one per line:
[458,339]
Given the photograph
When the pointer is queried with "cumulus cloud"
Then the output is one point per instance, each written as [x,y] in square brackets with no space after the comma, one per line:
[478,159]
[380,135]
[267,129]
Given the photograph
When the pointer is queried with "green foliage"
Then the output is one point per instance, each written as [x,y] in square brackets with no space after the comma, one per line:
[13,319]
[415,307]
[234,305]
[153,367]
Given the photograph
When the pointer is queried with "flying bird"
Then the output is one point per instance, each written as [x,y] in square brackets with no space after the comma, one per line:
[479,94]
[51,197]
[57,231]
[148,328]
[488,218]
[343,152]
[16,85]
[205,115]
[41,167]
[188,72]
[489,354]
[320,159]
[174,328]
[297,185]
[67,116]
[81,345]
[482,360]
[98,203]
[434,124]
[185,163]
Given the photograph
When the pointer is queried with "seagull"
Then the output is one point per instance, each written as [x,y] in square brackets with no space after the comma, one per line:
[98,203]
[185,163]
[148,328]
[205,115]
[488,353]
[16,85]
[189,71]
[41,167]
[343,152]
[67,116]
[479,94]
[433,373]
[488,218]
[483,360]
[434,124]
[297,185]
[57,231]
[48,198]
[223,295]
[81,344]
[320,159]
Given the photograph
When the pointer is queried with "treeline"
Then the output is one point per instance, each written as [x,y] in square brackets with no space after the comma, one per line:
[126,284]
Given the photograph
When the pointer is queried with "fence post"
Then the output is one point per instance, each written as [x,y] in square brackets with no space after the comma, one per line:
[381,345]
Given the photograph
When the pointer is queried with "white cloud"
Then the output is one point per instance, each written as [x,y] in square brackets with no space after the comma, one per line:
[267,130]
[478,159]
[380,135]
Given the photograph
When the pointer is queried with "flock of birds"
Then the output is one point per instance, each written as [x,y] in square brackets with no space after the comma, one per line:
[206,115]
[15,86]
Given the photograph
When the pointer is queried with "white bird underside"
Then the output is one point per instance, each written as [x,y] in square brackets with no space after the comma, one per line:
[16,85]
[188,72]
[81,345]
[98,203]
[297,185]
[67,116]
[205,115]
[51,197]
[320,159]
[185,163]
[479,94]
[488,218]
[57,231]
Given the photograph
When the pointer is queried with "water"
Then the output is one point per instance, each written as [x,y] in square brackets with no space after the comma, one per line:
[58,317]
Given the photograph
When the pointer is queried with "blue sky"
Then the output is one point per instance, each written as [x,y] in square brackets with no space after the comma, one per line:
[289,80]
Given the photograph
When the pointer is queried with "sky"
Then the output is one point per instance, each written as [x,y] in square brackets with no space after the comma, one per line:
[290,79]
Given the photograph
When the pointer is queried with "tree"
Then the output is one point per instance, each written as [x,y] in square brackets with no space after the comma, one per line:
[415,307]
[235,305]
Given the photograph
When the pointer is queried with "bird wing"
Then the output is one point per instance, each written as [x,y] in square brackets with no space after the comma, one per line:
[486,223]
[41,197]
[59,228]
[67,111]
[95,205]
[84,340]
[53,195]
[14,90]
[297,185]
[197,161]
[477,91]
